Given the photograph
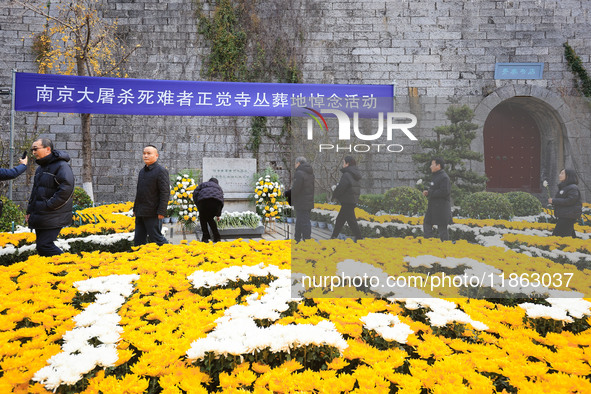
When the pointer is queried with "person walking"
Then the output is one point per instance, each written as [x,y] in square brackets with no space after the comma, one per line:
[302,198]
[51,200]
[568,206]
[439,205]
[11,173]
[347,193]
[209,199]
[151,199]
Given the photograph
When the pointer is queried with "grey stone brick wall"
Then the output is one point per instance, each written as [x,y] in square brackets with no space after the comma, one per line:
[443,48]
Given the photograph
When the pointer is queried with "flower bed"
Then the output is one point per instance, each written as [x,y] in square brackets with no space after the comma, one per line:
[106,243]
[219,318]
[527,224]
[472,230]
[112,232]
[558,249]
[105,219]
[239,220]
[203,318]
[238,225]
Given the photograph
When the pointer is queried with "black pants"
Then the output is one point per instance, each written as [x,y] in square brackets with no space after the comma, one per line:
[208,210]
[148,228]
[565,228]
[303,227]
[346,214]
[441,229]
[45,241]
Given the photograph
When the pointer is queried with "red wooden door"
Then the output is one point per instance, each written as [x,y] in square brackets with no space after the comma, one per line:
[511,150]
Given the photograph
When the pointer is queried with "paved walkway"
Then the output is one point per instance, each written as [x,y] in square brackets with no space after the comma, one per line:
[273,232]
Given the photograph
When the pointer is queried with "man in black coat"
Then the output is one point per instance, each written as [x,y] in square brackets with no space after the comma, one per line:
[302,198]
[209,199]
[439,208]
[50,204]
[347,192]
[151,199]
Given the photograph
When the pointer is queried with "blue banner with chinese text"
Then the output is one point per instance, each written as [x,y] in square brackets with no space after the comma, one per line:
[99,95]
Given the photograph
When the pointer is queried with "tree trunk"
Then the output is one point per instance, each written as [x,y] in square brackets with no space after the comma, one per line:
[86,156]
[81,56]
[237,145]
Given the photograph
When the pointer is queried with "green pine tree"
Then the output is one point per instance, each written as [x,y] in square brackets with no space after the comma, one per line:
[452,144]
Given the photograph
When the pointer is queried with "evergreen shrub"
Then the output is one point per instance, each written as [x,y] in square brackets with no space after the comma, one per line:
[10,213]
[405,200]
[524,204]
[486,205]
[371,203]
[81,199]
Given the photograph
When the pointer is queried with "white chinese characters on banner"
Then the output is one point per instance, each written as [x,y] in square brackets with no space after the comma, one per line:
[109,96]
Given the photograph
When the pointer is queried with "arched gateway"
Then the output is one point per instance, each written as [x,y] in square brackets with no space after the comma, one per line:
[523,138]
[512,149]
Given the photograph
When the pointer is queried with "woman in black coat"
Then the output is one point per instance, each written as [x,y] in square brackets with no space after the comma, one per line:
[209,198]
[301,196]
[567,204]
[347,193]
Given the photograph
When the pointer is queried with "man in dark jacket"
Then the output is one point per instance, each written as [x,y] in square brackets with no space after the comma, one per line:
[439,207]
[151,199]
[50,204]
[302,198]
[347,193]
[209,199]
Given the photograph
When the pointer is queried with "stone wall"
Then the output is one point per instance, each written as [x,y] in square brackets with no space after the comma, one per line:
[442,49]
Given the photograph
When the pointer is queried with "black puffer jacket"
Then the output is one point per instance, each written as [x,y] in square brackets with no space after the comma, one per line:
[50,204]
[567,203]
[302,189]
[208,190]
[439,208]
[349,187]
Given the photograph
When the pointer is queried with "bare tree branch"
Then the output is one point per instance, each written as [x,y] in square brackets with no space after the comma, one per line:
[123,59]
[39,11]
[88,33]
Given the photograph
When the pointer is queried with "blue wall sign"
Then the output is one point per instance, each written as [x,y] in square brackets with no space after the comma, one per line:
[519,70]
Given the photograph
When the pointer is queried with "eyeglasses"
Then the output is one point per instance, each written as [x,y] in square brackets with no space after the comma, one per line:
[35,149]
